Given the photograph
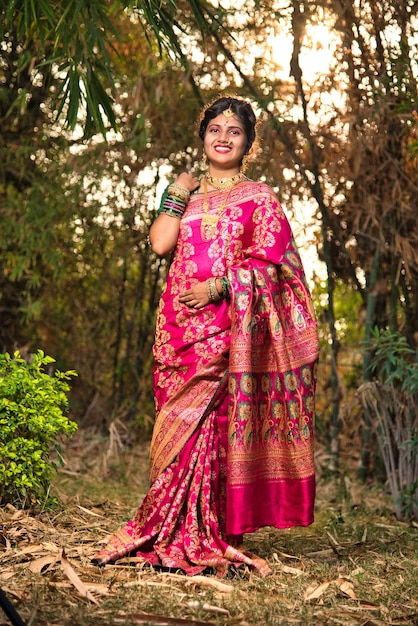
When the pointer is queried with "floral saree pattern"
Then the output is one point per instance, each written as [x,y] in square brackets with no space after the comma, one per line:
[234,383]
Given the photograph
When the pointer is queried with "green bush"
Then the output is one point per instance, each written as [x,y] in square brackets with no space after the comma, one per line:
[32,421]
[390,403]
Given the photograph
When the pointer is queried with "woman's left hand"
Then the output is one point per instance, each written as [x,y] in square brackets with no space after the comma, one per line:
[196,297]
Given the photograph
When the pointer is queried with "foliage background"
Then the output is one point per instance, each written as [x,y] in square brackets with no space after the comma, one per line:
[98,103]
[98,108]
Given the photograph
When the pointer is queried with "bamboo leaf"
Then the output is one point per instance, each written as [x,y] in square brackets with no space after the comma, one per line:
[75,579]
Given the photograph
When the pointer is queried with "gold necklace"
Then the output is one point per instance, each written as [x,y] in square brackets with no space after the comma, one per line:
[209,221]
[223,184]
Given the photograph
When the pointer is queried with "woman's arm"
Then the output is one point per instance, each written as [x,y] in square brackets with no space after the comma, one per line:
[165,229]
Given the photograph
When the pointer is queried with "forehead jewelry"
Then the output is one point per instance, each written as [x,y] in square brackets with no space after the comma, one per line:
[228,113]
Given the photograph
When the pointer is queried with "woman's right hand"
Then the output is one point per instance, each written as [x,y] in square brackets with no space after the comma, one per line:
[187,180]
[164,231]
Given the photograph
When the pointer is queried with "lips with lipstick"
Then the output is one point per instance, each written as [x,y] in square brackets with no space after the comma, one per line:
[224,147]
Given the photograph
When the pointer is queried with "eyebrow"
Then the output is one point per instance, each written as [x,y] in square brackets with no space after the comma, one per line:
[211,124]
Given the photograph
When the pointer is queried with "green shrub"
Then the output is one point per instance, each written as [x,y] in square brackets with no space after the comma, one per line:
[32,421]
[390,403]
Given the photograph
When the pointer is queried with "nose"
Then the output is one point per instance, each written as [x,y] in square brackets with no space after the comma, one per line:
[224,137]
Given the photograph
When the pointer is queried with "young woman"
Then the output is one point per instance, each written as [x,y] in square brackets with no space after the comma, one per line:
[235,351]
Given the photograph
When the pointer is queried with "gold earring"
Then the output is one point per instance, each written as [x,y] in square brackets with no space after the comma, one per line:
[245,162]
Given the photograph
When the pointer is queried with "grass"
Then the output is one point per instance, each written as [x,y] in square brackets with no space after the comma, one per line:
[356,566]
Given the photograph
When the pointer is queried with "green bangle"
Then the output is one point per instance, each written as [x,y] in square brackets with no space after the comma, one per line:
[225,287]
[171,212]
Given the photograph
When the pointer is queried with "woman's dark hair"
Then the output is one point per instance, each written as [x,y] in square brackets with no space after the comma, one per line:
[241,108]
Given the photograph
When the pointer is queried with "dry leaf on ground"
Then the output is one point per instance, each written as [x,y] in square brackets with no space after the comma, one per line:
[75,580]
[315,591]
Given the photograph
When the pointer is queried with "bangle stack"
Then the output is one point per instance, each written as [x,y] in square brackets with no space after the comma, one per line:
[180,192]
[212,289]
[176,201]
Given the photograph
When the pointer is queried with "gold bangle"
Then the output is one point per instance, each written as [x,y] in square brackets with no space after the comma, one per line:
[212,290]
[179,192]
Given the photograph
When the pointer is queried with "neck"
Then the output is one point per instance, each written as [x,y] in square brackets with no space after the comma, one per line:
[219,173]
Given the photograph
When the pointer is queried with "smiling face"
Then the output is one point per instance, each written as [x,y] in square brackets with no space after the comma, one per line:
[224,144]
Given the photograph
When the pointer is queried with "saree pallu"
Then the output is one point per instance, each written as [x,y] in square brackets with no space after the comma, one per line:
[234,383]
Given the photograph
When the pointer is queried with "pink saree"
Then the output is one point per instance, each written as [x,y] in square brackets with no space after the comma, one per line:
[232,448]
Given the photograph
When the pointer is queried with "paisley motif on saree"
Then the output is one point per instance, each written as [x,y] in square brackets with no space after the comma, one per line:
[247,365]
[274,348]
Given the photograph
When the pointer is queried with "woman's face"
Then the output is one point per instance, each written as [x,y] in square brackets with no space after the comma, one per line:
[224,142]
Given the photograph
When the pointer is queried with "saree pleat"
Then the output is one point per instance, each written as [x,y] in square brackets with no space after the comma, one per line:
[179,524]
[177,419]
[234,383]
